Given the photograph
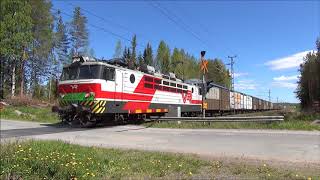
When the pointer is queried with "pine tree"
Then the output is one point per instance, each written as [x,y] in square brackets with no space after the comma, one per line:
[62,44]
[132,62]
[124,54]
[309,81]
[42,45]
[79,32]
[163,57]
[218,73]
[147,55]
[15,35]
[140,59]
[118,50]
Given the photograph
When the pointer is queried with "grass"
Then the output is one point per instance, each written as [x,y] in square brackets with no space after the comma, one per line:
[59,160]
[29,113]
[293,121]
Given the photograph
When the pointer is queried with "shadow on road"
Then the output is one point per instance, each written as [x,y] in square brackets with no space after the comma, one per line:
[46,129]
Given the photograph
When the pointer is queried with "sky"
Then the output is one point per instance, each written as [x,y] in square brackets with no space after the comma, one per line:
[269,38]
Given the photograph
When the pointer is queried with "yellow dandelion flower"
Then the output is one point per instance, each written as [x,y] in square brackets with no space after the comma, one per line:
[180,165]
[190,173]
[269,175]
[309,178]
[87,173]
[19,145]
[93,175]
[297,175]
[122,168]
[264,165]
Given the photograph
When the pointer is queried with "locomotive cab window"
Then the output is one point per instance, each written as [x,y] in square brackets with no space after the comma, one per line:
[109,73]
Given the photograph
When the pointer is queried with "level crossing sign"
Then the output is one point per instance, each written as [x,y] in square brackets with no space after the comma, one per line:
[204,63]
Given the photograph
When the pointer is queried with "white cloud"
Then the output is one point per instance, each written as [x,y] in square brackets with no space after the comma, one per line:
[246,84]
[240,74]
[286,78]
[291,61]
[288,85]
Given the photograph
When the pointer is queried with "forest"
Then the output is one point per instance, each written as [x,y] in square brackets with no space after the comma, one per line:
[36,43]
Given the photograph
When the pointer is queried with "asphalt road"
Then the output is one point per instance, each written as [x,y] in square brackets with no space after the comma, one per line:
[291,146]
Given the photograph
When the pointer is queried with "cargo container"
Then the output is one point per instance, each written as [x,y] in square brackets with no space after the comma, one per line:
[249,102]
[224,99]
[213,98]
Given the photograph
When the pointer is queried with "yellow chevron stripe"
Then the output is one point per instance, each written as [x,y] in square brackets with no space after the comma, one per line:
[104,108]
[88,102]
[95,105]
[100,110]
[95,109]
[91,103]
[105,102]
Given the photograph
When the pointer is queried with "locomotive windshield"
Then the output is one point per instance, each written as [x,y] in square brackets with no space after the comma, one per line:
[86,72]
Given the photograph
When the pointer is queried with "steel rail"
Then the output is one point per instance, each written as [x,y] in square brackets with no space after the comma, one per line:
[221,119]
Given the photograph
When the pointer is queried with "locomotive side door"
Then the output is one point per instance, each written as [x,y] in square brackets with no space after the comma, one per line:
[118,88]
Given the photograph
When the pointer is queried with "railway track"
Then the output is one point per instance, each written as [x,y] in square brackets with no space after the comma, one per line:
[222,119]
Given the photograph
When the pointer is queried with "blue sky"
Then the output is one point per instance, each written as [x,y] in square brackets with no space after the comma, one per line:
[269,38]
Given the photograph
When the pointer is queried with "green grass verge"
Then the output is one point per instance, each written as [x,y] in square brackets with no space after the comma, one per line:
[38,114]
[59,160]
[293,121]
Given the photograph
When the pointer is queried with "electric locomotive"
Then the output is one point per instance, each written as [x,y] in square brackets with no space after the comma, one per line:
[93,90]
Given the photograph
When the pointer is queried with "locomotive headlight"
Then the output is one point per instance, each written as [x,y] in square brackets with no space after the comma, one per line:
[87,95]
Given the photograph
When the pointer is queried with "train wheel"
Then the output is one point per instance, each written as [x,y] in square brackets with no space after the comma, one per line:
[87,121]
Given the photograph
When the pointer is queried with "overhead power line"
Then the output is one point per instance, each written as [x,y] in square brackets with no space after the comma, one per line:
[103,29]
[104,19]
[165,12]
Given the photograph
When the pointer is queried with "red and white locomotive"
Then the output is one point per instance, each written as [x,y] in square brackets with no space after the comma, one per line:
[91,91]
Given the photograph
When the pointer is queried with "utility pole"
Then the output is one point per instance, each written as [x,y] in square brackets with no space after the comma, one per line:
[232,80]
[232,70]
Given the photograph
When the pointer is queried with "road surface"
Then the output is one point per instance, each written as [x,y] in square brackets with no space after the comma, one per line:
[291,146]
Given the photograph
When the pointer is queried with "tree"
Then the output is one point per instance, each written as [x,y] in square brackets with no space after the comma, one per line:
[309,81]
[140,59]
[163,57]
[40,55]
[15,35]
[132,62]
[218,73]
[177,62]
[61,45]
[147,55]
[79,33]
[118,50]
